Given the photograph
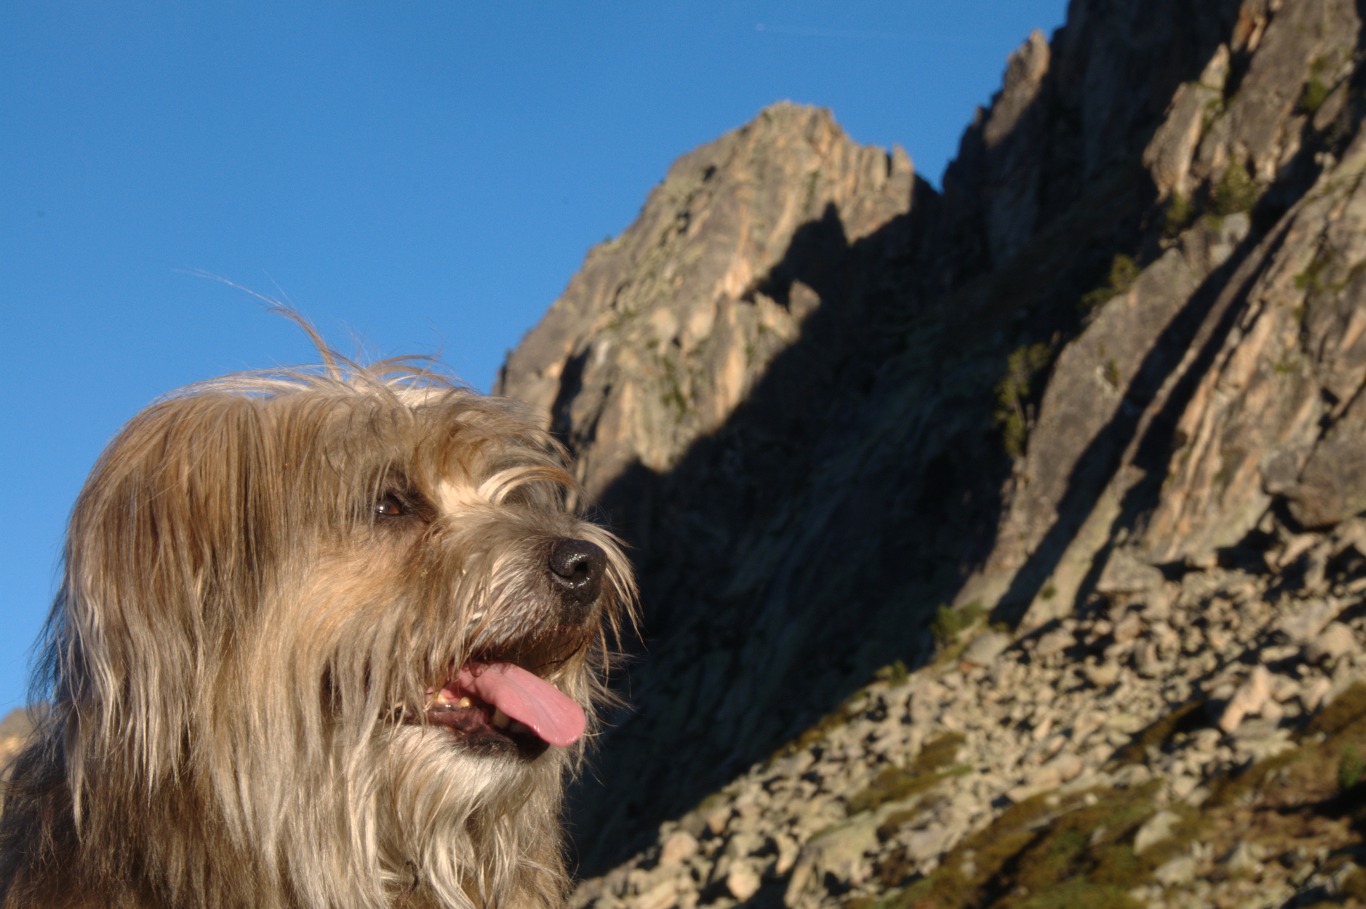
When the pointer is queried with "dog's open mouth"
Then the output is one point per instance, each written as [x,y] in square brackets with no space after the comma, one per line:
[497,705]
[501,700]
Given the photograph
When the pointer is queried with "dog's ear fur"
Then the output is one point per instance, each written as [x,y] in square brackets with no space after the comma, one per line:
[186,517]
[177,516]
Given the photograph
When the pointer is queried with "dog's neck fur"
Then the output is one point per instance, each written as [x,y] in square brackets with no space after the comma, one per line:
[114,861]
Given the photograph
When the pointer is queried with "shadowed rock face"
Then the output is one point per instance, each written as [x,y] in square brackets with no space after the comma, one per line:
[696,365]
[820,399]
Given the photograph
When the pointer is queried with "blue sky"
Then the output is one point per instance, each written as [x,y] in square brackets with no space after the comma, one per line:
[421,177]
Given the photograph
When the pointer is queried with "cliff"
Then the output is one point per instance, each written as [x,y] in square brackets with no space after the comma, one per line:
[1073,447]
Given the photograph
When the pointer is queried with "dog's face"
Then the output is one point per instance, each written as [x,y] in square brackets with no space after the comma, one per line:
[324,610]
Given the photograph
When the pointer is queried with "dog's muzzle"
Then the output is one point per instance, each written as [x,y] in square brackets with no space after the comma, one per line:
[499,701]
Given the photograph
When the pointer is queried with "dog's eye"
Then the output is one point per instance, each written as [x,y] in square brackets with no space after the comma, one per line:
[390,506]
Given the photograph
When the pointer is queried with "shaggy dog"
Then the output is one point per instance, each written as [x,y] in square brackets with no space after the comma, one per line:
[325,638]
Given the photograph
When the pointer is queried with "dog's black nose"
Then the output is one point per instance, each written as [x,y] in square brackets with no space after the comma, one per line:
[576,569]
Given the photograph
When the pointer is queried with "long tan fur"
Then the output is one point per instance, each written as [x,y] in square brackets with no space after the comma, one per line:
[238,637]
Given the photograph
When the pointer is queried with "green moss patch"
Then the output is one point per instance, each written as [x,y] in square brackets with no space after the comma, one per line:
[1016,392]
[1186,718]
[948,623]
[1124,271]
[1048,852]
[1235,192]
[895,784]
[1316,90]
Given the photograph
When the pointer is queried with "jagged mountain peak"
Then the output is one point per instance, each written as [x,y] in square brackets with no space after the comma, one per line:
[658,337]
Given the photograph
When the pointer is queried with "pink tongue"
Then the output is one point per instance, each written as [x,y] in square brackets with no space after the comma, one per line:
[527,698]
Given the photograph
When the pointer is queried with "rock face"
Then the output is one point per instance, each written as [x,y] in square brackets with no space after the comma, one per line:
[1103,391]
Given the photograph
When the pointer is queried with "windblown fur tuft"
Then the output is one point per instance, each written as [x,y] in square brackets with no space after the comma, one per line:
[267,578]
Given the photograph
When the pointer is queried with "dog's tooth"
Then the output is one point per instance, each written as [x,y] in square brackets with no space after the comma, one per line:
[501,720]
[464,702]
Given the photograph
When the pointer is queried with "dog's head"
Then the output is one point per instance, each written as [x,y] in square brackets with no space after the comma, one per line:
[354,607]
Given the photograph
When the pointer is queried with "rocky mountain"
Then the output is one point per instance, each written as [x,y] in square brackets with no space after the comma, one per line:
[999,545]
